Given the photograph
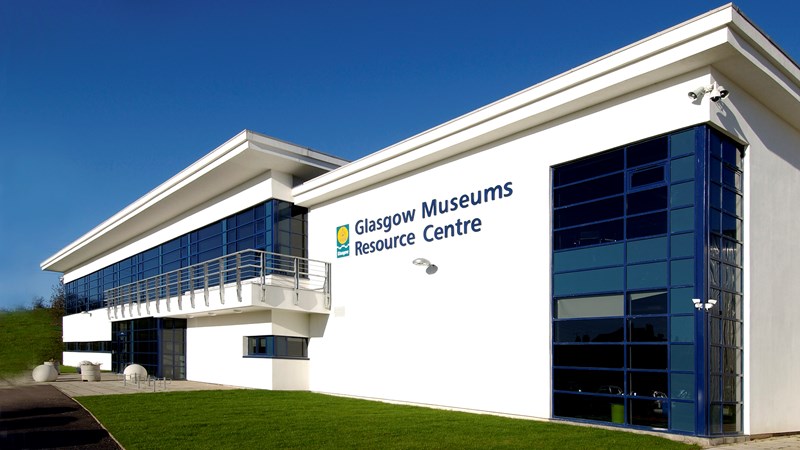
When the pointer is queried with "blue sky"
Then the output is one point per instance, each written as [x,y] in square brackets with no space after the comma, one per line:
[101,101]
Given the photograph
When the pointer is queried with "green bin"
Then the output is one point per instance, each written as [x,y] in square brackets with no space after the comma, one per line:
[617,413]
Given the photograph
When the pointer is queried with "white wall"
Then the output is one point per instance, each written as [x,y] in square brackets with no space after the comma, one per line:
[477,333]
[772,262]
[86,327]
[215,349]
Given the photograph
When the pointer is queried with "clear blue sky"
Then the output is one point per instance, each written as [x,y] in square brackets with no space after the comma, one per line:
[102,100]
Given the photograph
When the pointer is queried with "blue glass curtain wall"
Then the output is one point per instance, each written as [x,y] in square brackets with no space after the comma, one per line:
[275,226]
[630,253]
[159,345]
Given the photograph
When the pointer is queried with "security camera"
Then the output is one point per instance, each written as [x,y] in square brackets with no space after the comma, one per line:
[697,93]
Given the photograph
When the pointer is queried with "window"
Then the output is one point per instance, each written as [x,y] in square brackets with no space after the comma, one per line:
[276,226]
[287,347]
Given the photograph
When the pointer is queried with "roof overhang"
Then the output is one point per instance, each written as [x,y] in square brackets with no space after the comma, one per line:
[244,157]
[722,40]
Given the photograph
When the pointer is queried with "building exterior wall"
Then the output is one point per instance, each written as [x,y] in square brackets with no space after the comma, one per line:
[216,349]
[477,333]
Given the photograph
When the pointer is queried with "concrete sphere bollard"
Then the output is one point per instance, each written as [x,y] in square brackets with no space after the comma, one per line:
[44,373]
[134,372]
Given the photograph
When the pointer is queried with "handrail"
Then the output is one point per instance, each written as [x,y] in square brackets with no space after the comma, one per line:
[267,268]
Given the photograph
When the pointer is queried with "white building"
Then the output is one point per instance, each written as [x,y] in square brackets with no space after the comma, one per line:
[599,247]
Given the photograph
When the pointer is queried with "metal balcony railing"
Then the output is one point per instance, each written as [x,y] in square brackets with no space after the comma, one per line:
[187,283]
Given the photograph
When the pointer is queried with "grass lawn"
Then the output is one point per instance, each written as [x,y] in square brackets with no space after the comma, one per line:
[268,419]
[28,338]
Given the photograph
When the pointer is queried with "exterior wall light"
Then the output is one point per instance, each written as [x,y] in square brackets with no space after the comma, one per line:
[700,305]
[717,92]
[431,268]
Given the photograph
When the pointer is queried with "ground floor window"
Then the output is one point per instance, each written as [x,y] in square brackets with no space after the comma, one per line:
[277,347]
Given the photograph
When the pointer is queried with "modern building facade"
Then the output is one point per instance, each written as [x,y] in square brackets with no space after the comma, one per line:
[600,247]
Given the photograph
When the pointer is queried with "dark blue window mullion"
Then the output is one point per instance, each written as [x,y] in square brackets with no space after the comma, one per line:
[701,289]
[626,346]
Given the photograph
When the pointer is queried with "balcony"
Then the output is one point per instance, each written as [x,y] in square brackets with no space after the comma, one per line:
[243,281]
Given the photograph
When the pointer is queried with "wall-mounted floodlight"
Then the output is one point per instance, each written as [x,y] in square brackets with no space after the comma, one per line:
[707,305]
[430,268]
[697,93]
[717,92]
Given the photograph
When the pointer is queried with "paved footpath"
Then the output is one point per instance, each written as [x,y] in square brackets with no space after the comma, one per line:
[41,416]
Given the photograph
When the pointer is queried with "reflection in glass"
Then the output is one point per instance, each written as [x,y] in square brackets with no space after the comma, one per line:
[610,356]
[648,303]
[588,330]
[595,306]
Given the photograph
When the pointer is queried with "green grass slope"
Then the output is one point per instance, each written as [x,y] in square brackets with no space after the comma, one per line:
[27,339]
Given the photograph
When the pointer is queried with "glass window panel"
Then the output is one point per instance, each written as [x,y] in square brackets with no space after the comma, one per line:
[647,225]
[682,169]
[714,273]
[732,360]
[647,152]
[682,329]
[648,303]
[647,357]
[589,330]
[731,419]
[646,176]
[608,356]
[682,272]
[589,212]
[598,306]
[730,200]
[604,381]
[715,221]
[715,167]
[682,245]
[715,388]
[581,406]
[682,386]
[682,357]
[681,143]
[648,329]
[715,144]
[682,194]
[682,220]
[715,195]
[729,177]
[586,258]
[647,249]
[682,417]
[715,243]
[209,230]
[647,275]
[589,190]
[647,384]
[729,152]
[600,280]
[732,389]
[649,200]
[650,413]
[598,233]
[731,227]
[588,168]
